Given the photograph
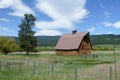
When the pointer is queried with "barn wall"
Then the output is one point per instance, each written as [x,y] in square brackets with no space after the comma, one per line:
[66,53]
[85,48]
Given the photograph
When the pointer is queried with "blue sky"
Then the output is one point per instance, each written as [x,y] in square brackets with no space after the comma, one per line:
[56,17]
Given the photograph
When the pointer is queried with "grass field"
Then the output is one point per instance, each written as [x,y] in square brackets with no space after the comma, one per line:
[48,66]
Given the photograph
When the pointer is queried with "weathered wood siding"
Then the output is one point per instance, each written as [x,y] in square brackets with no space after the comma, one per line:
[85,48]
[67,53]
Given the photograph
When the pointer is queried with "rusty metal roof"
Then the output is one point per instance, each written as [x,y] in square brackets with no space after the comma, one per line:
[70,41]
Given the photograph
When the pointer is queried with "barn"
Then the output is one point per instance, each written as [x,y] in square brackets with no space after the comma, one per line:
[74,44]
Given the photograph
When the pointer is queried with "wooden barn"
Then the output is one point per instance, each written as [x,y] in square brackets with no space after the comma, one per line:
[74,44]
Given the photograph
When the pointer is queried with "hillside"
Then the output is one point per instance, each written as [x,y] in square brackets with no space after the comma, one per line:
[95,39]
[105,39]
[47,40]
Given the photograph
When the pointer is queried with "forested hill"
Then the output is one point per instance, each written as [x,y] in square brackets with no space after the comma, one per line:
[47,40]
[105,39]
[95,39]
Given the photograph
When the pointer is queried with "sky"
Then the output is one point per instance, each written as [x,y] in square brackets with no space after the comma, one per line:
[57,17]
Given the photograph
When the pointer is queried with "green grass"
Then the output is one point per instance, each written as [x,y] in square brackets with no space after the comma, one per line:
[63,66]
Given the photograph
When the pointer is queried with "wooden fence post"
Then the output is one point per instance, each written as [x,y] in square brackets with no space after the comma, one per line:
[110,73]
[39,63]
[20,66]
[52,67]
[12,64]
[34,66]
[8,65]
[28,61]
[0,65]
[75,71]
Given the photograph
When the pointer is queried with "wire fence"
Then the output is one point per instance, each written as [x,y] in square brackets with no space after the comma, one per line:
[44,70]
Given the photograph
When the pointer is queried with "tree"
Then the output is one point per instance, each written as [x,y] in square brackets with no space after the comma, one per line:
[27,40]
[7,45]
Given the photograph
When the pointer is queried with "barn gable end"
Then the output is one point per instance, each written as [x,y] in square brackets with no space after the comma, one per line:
[74,44]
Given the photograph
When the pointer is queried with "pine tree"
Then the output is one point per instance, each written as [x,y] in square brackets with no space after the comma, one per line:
[27,40]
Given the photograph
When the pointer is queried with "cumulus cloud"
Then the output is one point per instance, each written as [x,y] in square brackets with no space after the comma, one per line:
[18,7]
[91,29]
[115,24]
[63,13]
[48,33]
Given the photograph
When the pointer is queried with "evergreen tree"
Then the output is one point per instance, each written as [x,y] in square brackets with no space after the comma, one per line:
[27,40]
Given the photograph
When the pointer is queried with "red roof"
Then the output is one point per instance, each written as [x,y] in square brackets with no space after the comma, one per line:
[70,41]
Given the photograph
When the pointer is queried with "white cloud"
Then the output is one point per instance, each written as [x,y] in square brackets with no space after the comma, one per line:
[115,24]
[4,20]
[107,24]
[107,14]
[18,7]
[63,12]
[63,9]
[91,29]
[101,5]
[110,32]
[48,33]
[54,25]
[5,29]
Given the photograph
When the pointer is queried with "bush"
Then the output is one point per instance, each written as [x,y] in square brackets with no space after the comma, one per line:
[103,48]
[8,45]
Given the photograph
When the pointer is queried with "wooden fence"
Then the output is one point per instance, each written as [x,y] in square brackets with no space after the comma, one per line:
[55,69]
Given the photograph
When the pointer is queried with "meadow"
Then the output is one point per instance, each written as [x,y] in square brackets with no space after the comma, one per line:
[48,66]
